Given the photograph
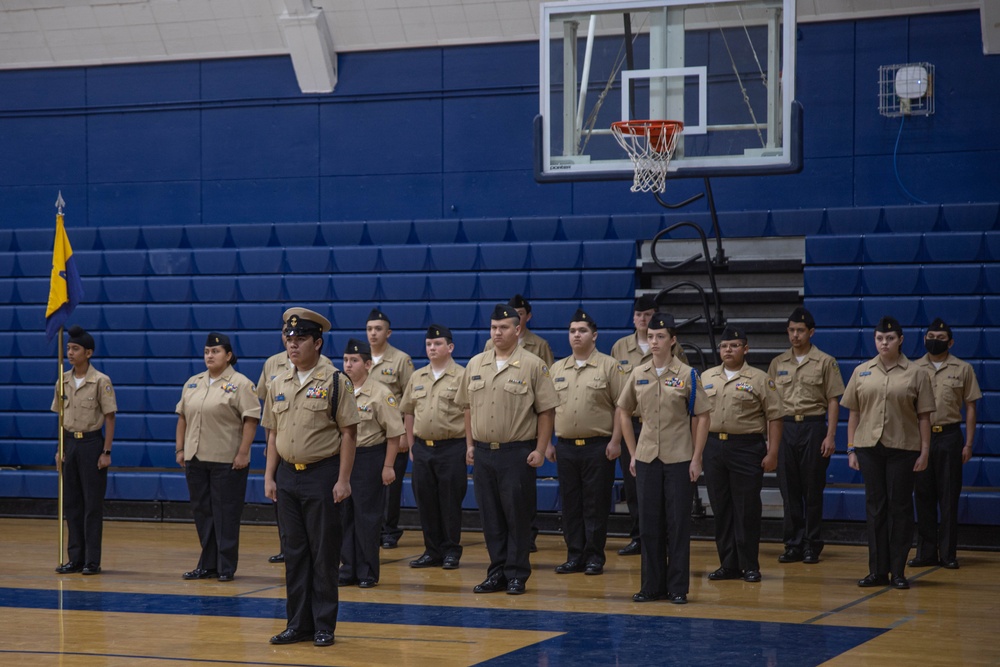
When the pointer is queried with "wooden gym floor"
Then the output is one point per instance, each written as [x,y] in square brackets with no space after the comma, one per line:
[140,612]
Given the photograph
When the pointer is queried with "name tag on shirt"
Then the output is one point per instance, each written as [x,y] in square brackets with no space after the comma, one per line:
[782,372]
[642,381]
[477,377]
[709,386]
[864,373]
[193,385]
[279,397]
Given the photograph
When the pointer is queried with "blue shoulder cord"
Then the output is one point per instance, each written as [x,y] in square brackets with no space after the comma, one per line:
[694,387]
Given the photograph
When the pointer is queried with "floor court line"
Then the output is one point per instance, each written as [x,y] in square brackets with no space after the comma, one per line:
[861,600]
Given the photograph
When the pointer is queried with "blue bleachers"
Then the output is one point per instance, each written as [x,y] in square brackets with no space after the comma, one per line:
[503,256]
[833,249]
[170,262]
[162,236]
[555,285]
[891,280]
[832,280]
[485,230]
[261,260]
[214,289]
[900,248]
[436,231]
[609,255]
[120,238]
[860,220]
[971,217]
[800,222]
[215,261]
[356,259]
[404,258]
[308,260]
[299,288]
[555,255]
[389,232]
[300,234]
[251,236]
[533,230]
[454,257]
[260,287]
[167,289]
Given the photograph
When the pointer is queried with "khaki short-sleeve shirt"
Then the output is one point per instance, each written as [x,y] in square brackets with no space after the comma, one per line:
[662,401]
[628,354]
[587,395]
[214,414]
[436,415]
[533,343]
[275,365]
[888,402]
[806,388]
[744,404]
[379,413]
[505,404]
[393,370]
[955,384]
[301,415]
[85,407]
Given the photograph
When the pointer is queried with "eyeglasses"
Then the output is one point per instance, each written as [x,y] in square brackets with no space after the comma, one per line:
[732,346]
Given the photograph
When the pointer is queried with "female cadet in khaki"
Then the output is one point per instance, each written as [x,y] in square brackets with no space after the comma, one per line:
[666,460]
[509,411]
[88,404]
[588,440]
[217,420]
[742,445]
[888,439]
[379,431]
[311,417]
[630,351]
[955,385]
[392,368]
[435,427]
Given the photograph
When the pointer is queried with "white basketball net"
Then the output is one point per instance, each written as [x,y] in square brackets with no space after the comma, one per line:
[650,145]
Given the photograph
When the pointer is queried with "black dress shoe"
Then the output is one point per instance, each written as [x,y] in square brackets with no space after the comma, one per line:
[388,544]
[810,557]
[91,568]
[570,566]
[723,574]
[790,556]
[450,562]
[901,583]
[646,597]
[515,587]
[873,580]
[491,585]
[951,564]
[323,638]
[347,581]
[752,576]
[533,548]
[594,568]
[69,568]
[289,636]
[923,562]
[633,548]
[199,573]
[276,558]
[226,577]
[367,583]
[679,598]
[426,561]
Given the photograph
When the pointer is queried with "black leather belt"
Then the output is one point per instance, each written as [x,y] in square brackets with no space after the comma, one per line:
[737,437]
[299,467]
[580,442]
[377,447]
[946,428]
[440,443]
[504,445]
[805,418]
[80,435]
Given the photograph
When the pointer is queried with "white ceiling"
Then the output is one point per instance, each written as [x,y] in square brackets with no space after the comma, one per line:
[47,33]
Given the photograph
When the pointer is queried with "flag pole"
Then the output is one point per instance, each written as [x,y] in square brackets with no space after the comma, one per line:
[60,203]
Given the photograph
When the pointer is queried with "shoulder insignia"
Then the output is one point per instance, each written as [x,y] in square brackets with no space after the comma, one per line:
[253,388]
[408,362]
[390,401]
[621,370]
[107,389]
[770,385]
[545,370]
[834,363]
[348,383]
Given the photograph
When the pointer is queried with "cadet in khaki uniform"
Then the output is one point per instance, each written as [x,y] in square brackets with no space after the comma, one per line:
[88,404]
[588,440]
[940,485]
[529,340]
[509,404]
[379,431]
[629,352]
[742,445]
[810,385]
[888,439]
[312,418]
[392,368]
[217,420]
[667,459]
[435,427]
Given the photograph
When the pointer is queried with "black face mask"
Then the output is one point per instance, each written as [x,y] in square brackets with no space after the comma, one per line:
[936,347]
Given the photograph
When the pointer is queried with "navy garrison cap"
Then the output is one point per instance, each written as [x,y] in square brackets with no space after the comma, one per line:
[662,321]
[518,301]
[802,316]
[438,331]
[502,312]
[732,332]
[377,314]
[355,346]
[888,324]
[580,316]
[644,302]
[940,325]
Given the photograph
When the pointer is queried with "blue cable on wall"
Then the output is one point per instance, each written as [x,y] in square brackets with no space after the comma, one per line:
[895,163]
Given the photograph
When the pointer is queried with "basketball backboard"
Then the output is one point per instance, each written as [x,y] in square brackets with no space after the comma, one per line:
[726,69]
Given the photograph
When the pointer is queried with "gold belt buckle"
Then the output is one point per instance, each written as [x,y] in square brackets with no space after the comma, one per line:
[799,418]
[429,443]
[78,435]
[937,429]
[494,445]
[579,441]
[300,466]
[723,436]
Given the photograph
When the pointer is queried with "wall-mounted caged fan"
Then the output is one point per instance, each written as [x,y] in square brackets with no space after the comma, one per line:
[906,90]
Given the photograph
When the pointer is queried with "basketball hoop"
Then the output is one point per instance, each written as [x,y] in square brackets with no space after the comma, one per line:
[650,144]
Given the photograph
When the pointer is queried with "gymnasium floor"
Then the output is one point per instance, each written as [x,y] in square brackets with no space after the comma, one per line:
[140,612]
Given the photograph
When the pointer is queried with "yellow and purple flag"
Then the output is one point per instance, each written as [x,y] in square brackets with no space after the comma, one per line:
[65,287]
